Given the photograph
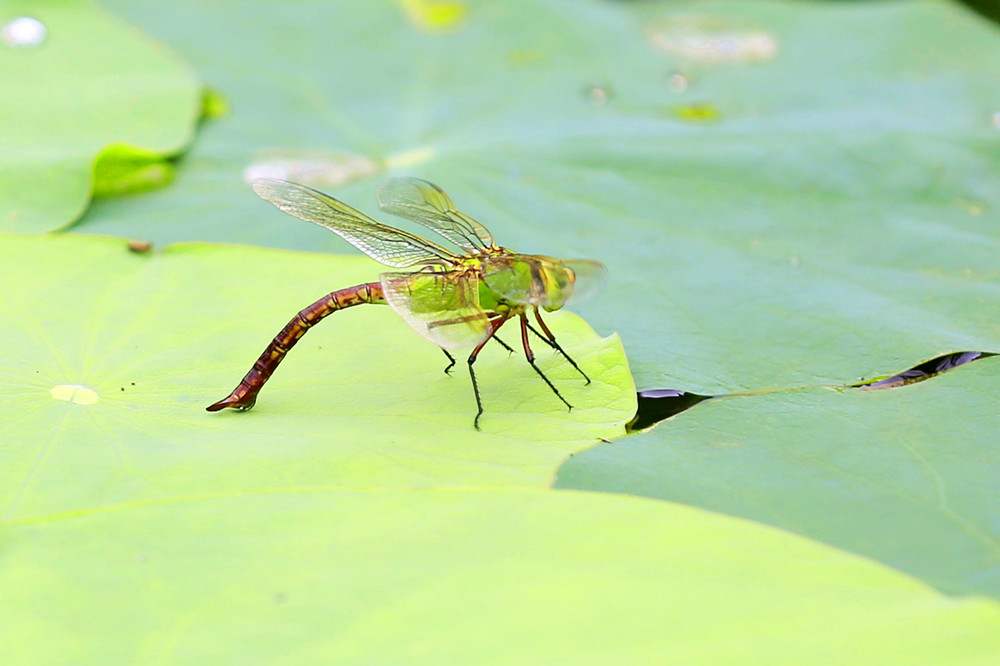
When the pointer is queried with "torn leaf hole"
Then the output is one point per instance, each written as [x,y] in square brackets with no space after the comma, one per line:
[657,405]
[925,370]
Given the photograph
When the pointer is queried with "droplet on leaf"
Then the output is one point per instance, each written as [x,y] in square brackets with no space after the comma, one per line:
[23,32]
[678,82]
[598,94]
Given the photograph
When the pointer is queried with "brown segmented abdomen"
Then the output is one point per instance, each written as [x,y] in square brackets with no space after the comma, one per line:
[244,395]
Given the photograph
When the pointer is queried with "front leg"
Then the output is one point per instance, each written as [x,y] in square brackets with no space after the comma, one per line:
[494,327]
[451,361]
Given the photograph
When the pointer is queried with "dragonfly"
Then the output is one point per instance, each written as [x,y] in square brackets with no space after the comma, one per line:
[457,300]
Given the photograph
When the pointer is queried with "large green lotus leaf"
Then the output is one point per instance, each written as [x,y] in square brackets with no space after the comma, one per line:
[907,476]
[483,576]
[833,214]
[94,84]
[114,356]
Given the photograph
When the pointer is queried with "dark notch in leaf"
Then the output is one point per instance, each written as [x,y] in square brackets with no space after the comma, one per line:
[925,370]
[987,8]
[657,405]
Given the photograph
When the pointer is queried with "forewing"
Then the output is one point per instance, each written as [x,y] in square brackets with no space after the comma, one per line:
[442,307]
[542,281]
[427,204]
[392,247]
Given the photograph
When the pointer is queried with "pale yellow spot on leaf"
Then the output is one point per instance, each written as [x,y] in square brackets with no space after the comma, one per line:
[698,112]
[409,158]
[435,15]
[81,395]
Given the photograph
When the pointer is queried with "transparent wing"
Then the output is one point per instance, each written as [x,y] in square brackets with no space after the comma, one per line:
[542,281]
[382,243]
[442,307]
[427,204]
[588,277]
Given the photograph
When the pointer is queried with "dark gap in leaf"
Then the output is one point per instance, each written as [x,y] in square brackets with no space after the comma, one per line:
[925,370]
[657,405]
[987,8]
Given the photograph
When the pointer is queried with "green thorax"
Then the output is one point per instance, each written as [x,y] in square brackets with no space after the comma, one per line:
[511,282]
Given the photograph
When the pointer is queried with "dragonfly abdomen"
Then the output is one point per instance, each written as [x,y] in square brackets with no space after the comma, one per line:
[244,395]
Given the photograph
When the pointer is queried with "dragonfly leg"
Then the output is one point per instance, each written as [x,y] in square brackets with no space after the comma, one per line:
[494,327]
[550,340]
[528,354]
[510,350]
[451,360]
[244,395]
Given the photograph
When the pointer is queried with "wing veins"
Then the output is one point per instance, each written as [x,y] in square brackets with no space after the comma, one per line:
[427,204]
[388,245]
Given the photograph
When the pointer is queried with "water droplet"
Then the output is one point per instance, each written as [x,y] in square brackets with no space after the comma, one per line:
[24,32]
[311,168]
[678,82]
[75,393]
[712,40]
[598,95]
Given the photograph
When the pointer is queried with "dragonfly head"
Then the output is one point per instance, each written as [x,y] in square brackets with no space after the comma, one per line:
[540,281]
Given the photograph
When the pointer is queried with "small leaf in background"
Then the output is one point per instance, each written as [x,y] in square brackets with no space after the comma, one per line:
[123,169]
[89,82]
